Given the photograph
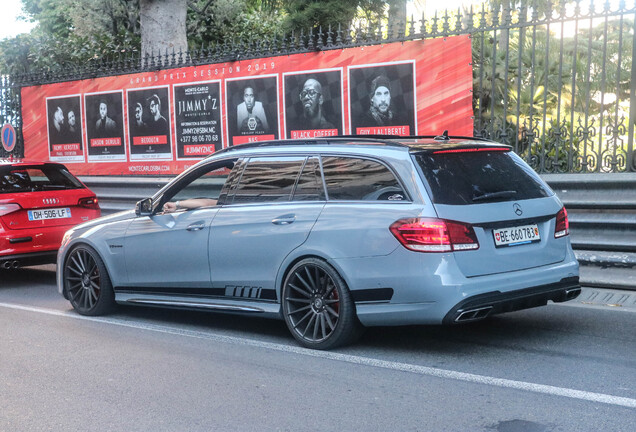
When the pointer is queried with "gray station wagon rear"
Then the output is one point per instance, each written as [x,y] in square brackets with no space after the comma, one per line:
[333,235]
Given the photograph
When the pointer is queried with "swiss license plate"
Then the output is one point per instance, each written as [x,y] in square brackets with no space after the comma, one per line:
[54,213]
[514,236]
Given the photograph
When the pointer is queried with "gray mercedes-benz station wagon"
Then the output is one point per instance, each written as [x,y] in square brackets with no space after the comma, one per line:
[333,235]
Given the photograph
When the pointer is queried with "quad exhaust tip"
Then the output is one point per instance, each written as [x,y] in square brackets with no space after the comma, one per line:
[474,314]
[572,293]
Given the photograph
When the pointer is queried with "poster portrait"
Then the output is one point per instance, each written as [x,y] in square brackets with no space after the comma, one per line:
[105,126]
[198,119]
[64,127]
[149,124]
[313,104]
[382,99]
[252,109]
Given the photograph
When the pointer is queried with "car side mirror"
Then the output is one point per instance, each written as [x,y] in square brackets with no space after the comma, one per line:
[144,207]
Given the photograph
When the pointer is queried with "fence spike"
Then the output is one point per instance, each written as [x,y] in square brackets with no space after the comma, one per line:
[320,44]
[446,23]
[310,39]
[458,21]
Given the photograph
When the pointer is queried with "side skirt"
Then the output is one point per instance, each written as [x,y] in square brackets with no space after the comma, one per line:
[266,309]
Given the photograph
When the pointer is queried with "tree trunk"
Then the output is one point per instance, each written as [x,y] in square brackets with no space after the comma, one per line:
[397,18]
[163,26]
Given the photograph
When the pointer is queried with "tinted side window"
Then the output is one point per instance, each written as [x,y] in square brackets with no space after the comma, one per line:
[309,186]
[349,178]
[205,182]
[268,179]
[230,182]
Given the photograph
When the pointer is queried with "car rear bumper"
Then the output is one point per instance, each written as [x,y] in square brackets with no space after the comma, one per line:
[430,289]
[31,241]
[480,306]
[28,259]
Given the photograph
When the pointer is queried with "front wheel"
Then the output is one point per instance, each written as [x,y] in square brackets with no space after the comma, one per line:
[87,283]
[317,306]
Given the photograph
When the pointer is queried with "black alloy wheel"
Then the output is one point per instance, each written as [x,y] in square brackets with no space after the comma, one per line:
[87,283]
[317,306]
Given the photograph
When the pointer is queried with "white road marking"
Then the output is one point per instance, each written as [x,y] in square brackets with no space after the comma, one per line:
[364,361]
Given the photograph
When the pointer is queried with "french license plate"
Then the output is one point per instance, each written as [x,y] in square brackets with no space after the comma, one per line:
[514,236]
[55,213]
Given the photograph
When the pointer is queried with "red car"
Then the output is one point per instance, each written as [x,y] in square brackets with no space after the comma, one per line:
[39,201]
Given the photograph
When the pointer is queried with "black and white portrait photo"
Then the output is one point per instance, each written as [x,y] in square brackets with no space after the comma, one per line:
[381,99]
[64,119]
[313,104]
[149,124]
[105,126]
[252,106]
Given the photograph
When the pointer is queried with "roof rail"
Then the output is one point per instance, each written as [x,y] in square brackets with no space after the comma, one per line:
[444,137]
[376,139]
[388,140]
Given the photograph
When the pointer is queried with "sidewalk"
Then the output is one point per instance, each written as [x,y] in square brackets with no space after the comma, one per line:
[619,299]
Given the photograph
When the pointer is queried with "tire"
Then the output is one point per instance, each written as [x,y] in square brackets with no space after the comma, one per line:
[317,306]
[87,283]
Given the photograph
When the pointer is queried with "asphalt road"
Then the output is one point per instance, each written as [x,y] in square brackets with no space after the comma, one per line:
[556,368]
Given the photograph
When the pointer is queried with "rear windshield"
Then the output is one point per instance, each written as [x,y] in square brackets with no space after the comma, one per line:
[36,178]
[479,177]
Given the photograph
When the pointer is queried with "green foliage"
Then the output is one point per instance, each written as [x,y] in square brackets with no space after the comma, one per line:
[302,15]
[41,52]
[53,15]
[227,20]
[305,14]
[71,33]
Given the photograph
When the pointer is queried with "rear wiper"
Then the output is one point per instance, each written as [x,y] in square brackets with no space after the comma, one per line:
[495,195]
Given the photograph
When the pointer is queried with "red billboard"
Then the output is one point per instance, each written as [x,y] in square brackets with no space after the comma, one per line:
[161,122]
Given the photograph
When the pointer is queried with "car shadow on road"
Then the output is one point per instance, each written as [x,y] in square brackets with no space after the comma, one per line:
[251,326]
[28,276]
[535,332]
[538,331]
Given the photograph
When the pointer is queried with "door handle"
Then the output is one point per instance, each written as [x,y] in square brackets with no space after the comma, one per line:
[197,226]
[284,219]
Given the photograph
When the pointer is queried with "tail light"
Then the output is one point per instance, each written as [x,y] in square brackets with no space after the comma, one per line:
[89,203]
[562,227]
[5,209]
[434,235]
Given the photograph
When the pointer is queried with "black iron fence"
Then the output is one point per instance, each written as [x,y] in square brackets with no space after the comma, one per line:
[556,81]
[553,79]
[11,113]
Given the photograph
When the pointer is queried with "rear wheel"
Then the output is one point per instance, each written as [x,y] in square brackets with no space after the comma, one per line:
[87,283]
[317,306]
